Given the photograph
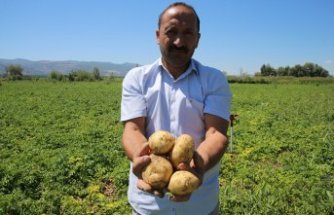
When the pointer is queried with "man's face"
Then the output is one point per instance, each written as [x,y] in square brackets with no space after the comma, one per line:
[178,36]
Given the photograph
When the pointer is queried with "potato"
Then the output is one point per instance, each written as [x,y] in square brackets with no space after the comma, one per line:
[183,150]
[158,172]
[161,142]
[183,182]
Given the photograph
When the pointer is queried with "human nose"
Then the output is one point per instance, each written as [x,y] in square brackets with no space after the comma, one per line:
[179,41]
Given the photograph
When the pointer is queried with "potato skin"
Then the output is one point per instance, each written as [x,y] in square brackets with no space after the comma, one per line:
[183,150]
[158,172]
[183,182]
[161,142]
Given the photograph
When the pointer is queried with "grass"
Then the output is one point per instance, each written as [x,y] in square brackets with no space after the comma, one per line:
[61,154]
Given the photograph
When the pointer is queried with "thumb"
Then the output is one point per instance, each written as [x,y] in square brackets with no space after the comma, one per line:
[145,149]
[143,186]
[139,163]
[197,163]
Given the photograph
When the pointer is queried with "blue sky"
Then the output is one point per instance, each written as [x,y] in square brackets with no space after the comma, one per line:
[238,36]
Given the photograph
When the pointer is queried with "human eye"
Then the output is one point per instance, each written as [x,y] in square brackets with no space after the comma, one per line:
[170,32]
[189,33]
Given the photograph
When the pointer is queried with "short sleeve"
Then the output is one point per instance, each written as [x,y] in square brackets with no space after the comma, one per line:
[218,96]
[133,104]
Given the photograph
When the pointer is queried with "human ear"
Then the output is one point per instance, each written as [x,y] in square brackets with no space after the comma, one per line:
[157,33]
[198,37]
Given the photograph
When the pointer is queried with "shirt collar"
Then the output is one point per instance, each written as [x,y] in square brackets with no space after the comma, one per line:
[192,68]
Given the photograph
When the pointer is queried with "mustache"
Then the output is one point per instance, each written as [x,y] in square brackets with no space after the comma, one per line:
[182,48]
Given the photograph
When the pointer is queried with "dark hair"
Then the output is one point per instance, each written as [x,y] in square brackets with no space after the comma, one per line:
[180,4]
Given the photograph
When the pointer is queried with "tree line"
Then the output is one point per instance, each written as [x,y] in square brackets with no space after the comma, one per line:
[306,70]
[15,72]
[77,75]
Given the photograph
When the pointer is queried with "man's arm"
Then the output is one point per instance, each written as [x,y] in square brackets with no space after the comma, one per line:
[133,138]
[211,150]
[137,149]
[135,144]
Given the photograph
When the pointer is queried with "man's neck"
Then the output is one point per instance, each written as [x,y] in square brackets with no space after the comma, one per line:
[175,71]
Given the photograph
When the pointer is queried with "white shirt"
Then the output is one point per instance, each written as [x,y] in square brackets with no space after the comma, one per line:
[177,106]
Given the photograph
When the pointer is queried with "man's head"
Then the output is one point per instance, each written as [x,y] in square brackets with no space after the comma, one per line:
[180,4]
[178,35]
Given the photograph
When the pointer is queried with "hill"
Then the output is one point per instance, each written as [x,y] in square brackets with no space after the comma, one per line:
[44,67]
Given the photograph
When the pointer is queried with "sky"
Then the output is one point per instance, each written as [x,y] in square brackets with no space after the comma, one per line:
[237,36]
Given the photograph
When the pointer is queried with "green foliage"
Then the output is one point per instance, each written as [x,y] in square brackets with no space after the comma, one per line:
[248,79]
[76,75]
[282,160]
[267,70]
[55,75]
[307,70]
[57,140]
[245,79]
[96,74]
[14,72]
[80,75]
[60,149]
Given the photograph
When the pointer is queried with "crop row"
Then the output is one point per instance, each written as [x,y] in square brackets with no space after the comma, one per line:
[60,149]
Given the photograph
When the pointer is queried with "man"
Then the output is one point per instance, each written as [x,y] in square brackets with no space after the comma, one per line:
[177,94]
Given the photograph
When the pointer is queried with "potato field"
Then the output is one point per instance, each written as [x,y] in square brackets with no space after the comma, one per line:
[61,152]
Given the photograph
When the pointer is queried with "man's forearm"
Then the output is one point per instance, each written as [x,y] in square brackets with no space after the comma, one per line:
[133,138]
[212,148]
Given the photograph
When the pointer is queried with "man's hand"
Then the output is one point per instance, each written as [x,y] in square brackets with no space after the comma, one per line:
[138,166]
[196,167]
[209,152]
[141,160]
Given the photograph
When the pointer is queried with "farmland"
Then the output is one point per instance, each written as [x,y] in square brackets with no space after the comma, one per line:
[61,153]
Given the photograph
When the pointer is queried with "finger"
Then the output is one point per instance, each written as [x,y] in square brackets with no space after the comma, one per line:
[145,150]
[177,198]
[197,163]
[139,163]
[158,193]
[198,160]
[142,185]
[184,166]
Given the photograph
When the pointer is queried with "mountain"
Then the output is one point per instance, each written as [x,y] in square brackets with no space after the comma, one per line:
[44,67]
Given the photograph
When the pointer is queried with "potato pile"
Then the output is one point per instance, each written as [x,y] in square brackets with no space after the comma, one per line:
[166,154]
